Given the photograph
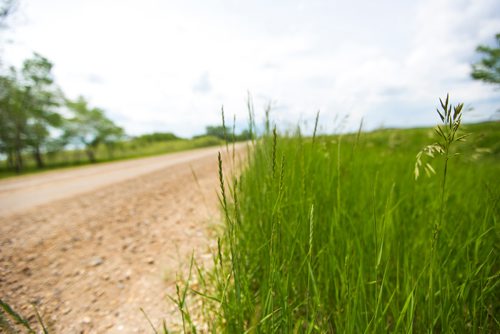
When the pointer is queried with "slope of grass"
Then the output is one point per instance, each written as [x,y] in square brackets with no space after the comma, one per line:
[334,234]
[122,151]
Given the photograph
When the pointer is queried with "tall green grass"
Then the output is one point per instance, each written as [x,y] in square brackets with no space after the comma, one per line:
[334,234]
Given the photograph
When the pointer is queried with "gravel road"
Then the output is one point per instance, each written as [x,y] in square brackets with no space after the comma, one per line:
[92,245]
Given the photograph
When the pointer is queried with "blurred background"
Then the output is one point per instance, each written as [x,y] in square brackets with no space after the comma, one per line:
[169,66]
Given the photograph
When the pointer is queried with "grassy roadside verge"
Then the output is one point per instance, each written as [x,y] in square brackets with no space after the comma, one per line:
[334,234]
[72,159]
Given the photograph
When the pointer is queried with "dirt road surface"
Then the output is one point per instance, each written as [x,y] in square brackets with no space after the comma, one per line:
[91,246]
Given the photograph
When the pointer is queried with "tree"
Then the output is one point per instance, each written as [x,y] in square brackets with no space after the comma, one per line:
[244,135]
[90,127]
[28,102]
[13,119]
[227,134]
[110,135]
[218,131]
[155,137]
[42,99]
[488,69]
[9,123]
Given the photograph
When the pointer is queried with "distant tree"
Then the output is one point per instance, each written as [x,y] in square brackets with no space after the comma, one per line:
[8,89]
[244,135]
[226,134]
[13,119]
[488,69]
[42,100]
[111,135]
[155,137]
[90,127]
[28,102]
[218,131]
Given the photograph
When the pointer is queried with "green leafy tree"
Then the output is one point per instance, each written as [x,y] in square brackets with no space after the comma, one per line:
[42,100]
[219,131]
[89,127]
[155,137]
[13,119]
[28,111]
[244,135]
[488,69]
[111,136]
[226,134]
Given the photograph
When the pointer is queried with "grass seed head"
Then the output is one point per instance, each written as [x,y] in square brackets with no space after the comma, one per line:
[447,134]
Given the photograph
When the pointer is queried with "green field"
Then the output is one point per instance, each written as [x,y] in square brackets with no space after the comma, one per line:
[122,150]
[335,234]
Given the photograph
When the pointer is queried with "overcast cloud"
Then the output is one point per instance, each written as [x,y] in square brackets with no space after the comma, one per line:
[170,65]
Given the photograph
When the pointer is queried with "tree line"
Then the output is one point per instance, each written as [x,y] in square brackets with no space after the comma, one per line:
[36,117]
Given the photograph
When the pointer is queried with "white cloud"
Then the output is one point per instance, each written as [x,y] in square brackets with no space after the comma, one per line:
[203,85]
[169,66]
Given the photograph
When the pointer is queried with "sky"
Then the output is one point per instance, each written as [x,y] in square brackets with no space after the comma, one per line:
[171,65]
